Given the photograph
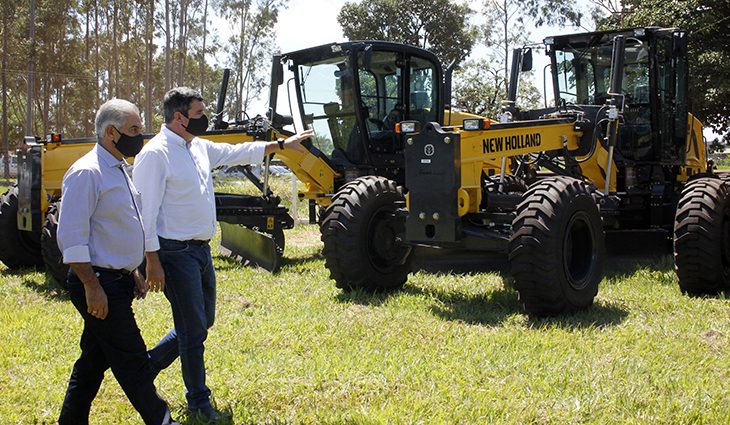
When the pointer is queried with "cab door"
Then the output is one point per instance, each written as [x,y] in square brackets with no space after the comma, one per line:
[669,98]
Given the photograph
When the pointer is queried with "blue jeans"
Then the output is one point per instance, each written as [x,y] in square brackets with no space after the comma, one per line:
[115,343]
[190,288]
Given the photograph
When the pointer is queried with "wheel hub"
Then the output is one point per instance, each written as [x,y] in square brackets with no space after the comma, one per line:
[578,251]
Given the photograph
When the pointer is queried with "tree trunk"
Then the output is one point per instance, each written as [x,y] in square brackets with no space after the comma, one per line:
[87,83]
[45,108]
[506,47]
[173,54]
[31,71]
[59,108]
[241,60]
[96,55]
[182,41]
[148,65]
[60,82]
[168,65]
[4,84]
[202,51]
[111,59]
[86,33]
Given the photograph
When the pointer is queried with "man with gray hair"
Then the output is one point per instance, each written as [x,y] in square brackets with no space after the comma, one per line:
[173,174]
[101,237]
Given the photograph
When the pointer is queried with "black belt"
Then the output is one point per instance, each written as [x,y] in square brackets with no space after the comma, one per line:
[196,242]
[106,270]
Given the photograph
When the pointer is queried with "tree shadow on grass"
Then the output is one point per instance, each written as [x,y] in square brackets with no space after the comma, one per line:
[184,418]
[487,309]
[495,307]
[601,315]
[365,298]
[49,288]
[632,251]
[302,260]
[228,263]
[490,308]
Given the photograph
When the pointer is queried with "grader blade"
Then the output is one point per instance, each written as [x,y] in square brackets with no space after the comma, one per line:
[250,246]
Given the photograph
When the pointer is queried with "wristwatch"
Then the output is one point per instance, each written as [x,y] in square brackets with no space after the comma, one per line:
[280,141]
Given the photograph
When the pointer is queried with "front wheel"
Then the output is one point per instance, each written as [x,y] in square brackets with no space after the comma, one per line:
[702,237]
[362,236]
[557,247]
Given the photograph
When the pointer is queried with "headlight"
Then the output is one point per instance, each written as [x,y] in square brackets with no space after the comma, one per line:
[475,124]
[408,127]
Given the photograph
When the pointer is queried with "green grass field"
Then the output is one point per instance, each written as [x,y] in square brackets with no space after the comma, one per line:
[446,349]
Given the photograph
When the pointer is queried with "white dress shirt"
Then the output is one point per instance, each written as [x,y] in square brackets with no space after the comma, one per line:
[99,220]
[174,180]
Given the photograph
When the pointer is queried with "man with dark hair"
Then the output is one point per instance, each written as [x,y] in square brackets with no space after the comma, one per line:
[173,174]
[100,234]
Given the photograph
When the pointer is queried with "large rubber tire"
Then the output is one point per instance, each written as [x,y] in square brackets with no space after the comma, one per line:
[360,235]
[702,237]
[557,248]
[49,246]
[18,248]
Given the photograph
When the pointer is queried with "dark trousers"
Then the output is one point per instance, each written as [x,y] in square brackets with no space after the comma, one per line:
[190,287]
[115,343]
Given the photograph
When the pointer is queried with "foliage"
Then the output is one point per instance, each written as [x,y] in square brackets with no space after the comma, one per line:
[555,12]
[290,348]
[88,51]
[438,25]
[480,89]
[708,25]
[480,86]
[716,146]
[249,49]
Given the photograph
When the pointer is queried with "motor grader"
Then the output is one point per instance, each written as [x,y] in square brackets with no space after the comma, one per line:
[618,151]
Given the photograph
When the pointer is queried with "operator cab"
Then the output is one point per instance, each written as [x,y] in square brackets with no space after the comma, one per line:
[352,94]
[654,88]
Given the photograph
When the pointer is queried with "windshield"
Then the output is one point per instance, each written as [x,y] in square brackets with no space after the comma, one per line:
[353,102]
[327,91]
[583,74]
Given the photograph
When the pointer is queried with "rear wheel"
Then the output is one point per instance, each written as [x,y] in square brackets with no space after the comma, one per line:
[18,248]
[557,248]
[702,237]
[361,236]
[52,256]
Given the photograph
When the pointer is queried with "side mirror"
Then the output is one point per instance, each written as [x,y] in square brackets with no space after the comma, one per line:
[278,121]
[277,71]
[218,123]
[526,60]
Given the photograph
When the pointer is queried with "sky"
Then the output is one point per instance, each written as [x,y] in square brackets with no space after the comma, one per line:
[319,17]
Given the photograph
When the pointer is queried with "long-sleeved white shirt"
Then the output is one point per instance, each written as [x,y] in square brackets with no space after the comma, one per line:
[174,179]
[99,220]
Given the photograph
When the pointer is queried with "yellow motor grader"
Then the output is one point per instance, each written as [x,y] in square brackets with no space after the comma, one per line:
[618,151]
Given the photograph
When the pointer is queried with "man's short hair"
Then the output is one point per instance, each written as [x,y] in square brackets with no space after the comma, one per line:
[113,112]
[178,100]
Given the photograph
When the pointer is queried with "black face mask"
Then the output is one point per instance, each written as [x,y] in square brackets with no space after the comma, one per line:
[129,145]
[196,126]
